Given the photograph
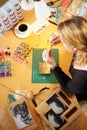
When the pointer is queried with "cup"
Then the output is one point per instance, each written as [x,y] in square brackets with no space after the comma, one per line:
[22,30]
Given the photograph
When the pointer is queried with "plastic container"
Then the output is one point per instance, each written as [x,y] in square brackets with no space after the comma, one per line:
[17,7]
[41,9]
[5,19]
[11,13]
[27,4]
[2,28]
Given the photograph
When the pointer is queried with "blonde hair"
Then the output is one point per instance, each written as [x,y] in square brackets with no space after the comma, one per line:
[74,32]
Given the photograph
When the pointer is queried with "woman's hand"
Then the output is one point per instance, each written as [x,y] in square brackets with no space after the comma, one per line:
[48,57]
[54,39]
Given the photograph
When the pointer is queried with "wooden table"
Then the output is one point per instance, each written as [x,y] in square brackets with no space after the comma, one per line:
[22,73]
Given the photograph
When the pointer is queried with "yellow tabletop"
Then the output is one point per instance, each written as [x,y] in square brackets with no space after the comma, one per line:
[22,73]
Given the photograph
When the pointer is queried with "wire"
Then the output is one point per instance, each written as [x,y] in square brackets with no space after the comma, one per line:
[14,91]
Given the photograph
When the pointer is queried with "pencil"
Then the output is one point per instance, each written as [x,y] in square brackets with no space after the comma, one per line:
[52,22]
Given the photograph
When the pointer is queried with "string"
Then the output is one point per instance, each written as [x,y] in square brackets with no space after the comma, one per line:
[14,91]
[33,99]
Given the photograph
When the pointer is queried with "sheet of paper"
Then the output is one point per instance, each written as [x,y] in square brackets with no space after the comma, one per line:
[39,25]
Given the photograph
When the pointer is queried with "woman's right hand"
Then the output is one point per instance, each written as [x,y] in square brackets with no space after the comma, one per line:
[48,57]
[54,39]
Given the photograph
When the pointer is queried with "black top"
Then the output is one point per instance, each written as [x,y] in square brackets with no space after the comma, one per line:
[37,0]
[77,85]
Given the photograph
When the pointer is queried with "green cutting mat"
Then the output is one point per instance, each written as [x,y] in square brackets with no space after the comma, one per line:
[42,78]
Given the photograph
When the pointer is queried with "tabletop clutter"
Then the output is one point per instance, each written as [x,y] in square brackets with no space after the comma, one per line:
[49,109]
[10,14]
[5,62]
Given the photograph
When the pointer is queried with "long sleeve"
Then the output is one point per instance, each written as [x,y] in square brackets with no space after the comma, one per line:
[61,77]
[76,85]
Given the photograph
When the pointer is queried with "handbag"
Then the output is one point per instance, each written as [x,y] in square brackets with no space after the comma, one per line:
[57,108]
[20,115]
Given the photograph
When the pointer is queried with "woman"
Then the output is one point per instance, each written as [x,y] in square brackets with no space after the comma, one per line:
[73,35]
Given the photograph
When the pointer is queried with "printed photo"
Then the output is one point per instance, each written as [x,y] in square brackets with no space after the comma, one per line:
[55,120]
[56,104]
[21,115]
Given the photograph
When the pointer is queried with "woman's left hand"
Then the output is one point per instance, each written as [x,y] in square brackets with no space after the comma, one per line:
[54,39]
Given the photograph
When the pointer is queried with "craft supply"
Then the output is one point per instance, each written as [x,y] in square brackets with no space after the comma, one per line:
[10,13]
[2,29]
[51,3]
[72,10]
[17,7]
[11,98]
[41,9]
[5,62]
[58,14]
[53,22]
[5,19]
[19,93]
[39,25]
[66,3]
[37,58]
[22,52]
[44,68]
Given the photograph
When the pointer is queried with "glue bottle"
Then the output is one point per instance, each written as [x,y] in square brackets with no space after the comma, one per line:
[41,9]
